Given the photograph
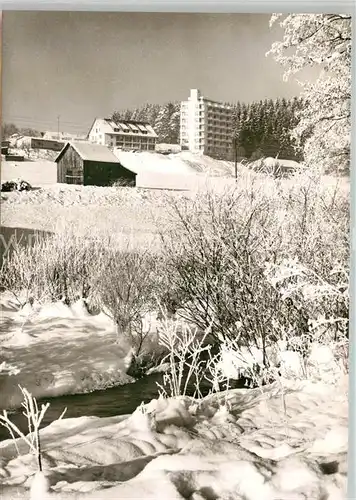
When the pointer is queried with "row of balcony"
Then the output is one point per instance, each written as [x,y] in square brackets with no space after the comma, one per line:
[209,115]
[214,141]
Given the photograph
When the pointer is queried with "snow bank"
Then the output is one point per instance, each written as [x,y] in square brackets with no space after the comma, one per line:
[37,173]
[60,350]
[234,445]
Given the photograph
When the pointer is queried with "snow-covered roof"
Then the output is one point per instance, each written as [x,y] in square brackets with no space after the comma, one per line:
[90,151]
[124,127]
[132,126]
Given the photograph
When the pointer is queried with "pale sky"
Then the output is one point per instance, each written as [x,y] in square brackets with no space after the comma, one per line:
[82,65]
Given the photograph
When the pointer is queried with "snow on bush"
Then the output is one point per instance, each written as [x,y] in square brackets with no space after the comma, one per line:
[262,264]
[126,283]
[322,41]
[253,264]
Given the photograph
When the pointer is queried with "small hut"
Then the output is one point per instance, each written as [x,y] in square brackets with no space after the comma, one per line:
[91,165]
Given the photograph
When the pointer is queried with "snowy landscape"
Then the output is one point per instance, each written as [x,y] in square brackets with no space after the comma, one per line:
[186,338]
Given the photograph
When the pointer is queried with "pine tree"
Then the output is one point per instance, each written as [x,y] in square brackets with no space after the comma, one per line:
[174,124]
[162,124]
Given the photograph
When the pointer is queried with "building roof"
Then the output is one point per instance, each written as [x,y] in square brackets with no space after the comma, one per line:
[124,127]
[91,152]
[129,126]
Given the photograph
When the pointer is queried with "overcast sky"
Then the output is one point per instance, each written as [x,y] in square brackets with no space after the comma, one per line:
[80,65]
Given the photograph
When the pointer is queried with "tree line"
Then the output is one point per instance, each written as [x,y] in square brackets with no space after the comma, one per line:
[315,127]
[9,129]
[263,128]
[165,119]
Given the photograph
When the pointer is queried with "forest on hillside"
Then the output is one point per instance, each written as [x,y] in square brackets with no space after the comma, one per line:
[262,128]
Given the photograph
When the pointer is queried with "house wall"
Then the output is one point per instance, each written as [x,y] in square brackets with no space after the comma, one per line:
[106,174]
[100,134]
[131,142]
[96,133]
[70,167]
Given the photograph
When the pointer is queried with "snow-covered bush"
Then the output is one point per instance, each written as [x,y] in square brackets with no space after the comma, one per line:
[323,42]
[34,415]
[325,303]
[214,259]
[185,348]
[219,245]
[126,290]
[324,300]
[60,266]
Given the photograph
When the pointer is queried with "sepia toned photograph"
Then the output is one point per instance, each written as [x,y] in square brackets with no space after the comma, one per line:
[175,255]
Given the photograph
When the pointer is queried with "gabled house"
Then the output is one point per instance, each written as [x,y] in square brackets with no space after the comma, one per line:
[127,135]
[91,164]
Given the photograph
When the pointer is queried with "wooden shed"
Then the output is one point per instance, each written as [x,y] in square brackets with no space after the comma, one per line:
[91,165]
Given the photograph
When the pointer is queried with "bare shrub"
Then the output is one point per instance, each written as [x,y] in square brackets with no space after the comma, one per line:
[40,485]
[219,244]
[185,349]
[34,417]
[55,267]
[215,250]
[126,286]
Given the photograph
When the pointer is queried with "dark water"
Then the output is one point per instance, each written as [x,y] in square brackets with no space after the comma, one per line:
[120,400]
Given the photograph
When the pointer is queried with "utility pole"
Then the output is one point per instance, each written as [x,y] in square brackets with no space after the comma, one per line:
[58,117]
[235,147]
[235,142]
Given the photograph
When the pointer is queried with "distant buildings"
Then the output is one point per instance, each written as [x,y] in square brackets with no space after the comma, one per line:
[206,126]
[47,141]
[91,165]
[49,144]
[168,148]
[127,135]
[62,136]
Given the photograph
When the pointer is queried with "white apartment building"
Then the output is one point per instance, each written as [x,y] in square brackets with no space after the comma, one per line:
[206,126]
[126,135]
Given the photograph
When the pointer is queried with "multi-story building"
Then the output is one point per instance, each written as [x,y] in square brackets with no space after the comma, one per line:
[206,126]
[127,135]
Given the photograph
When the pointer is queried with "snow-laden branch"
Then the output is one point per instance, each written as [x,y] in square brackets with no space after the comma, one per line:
[323,42]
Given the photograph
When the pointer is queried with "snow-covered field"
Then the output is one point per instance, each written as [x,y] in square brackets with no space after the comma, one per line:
[122,211]
[235,445]
[175,171]
[37,173]
[133,213]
